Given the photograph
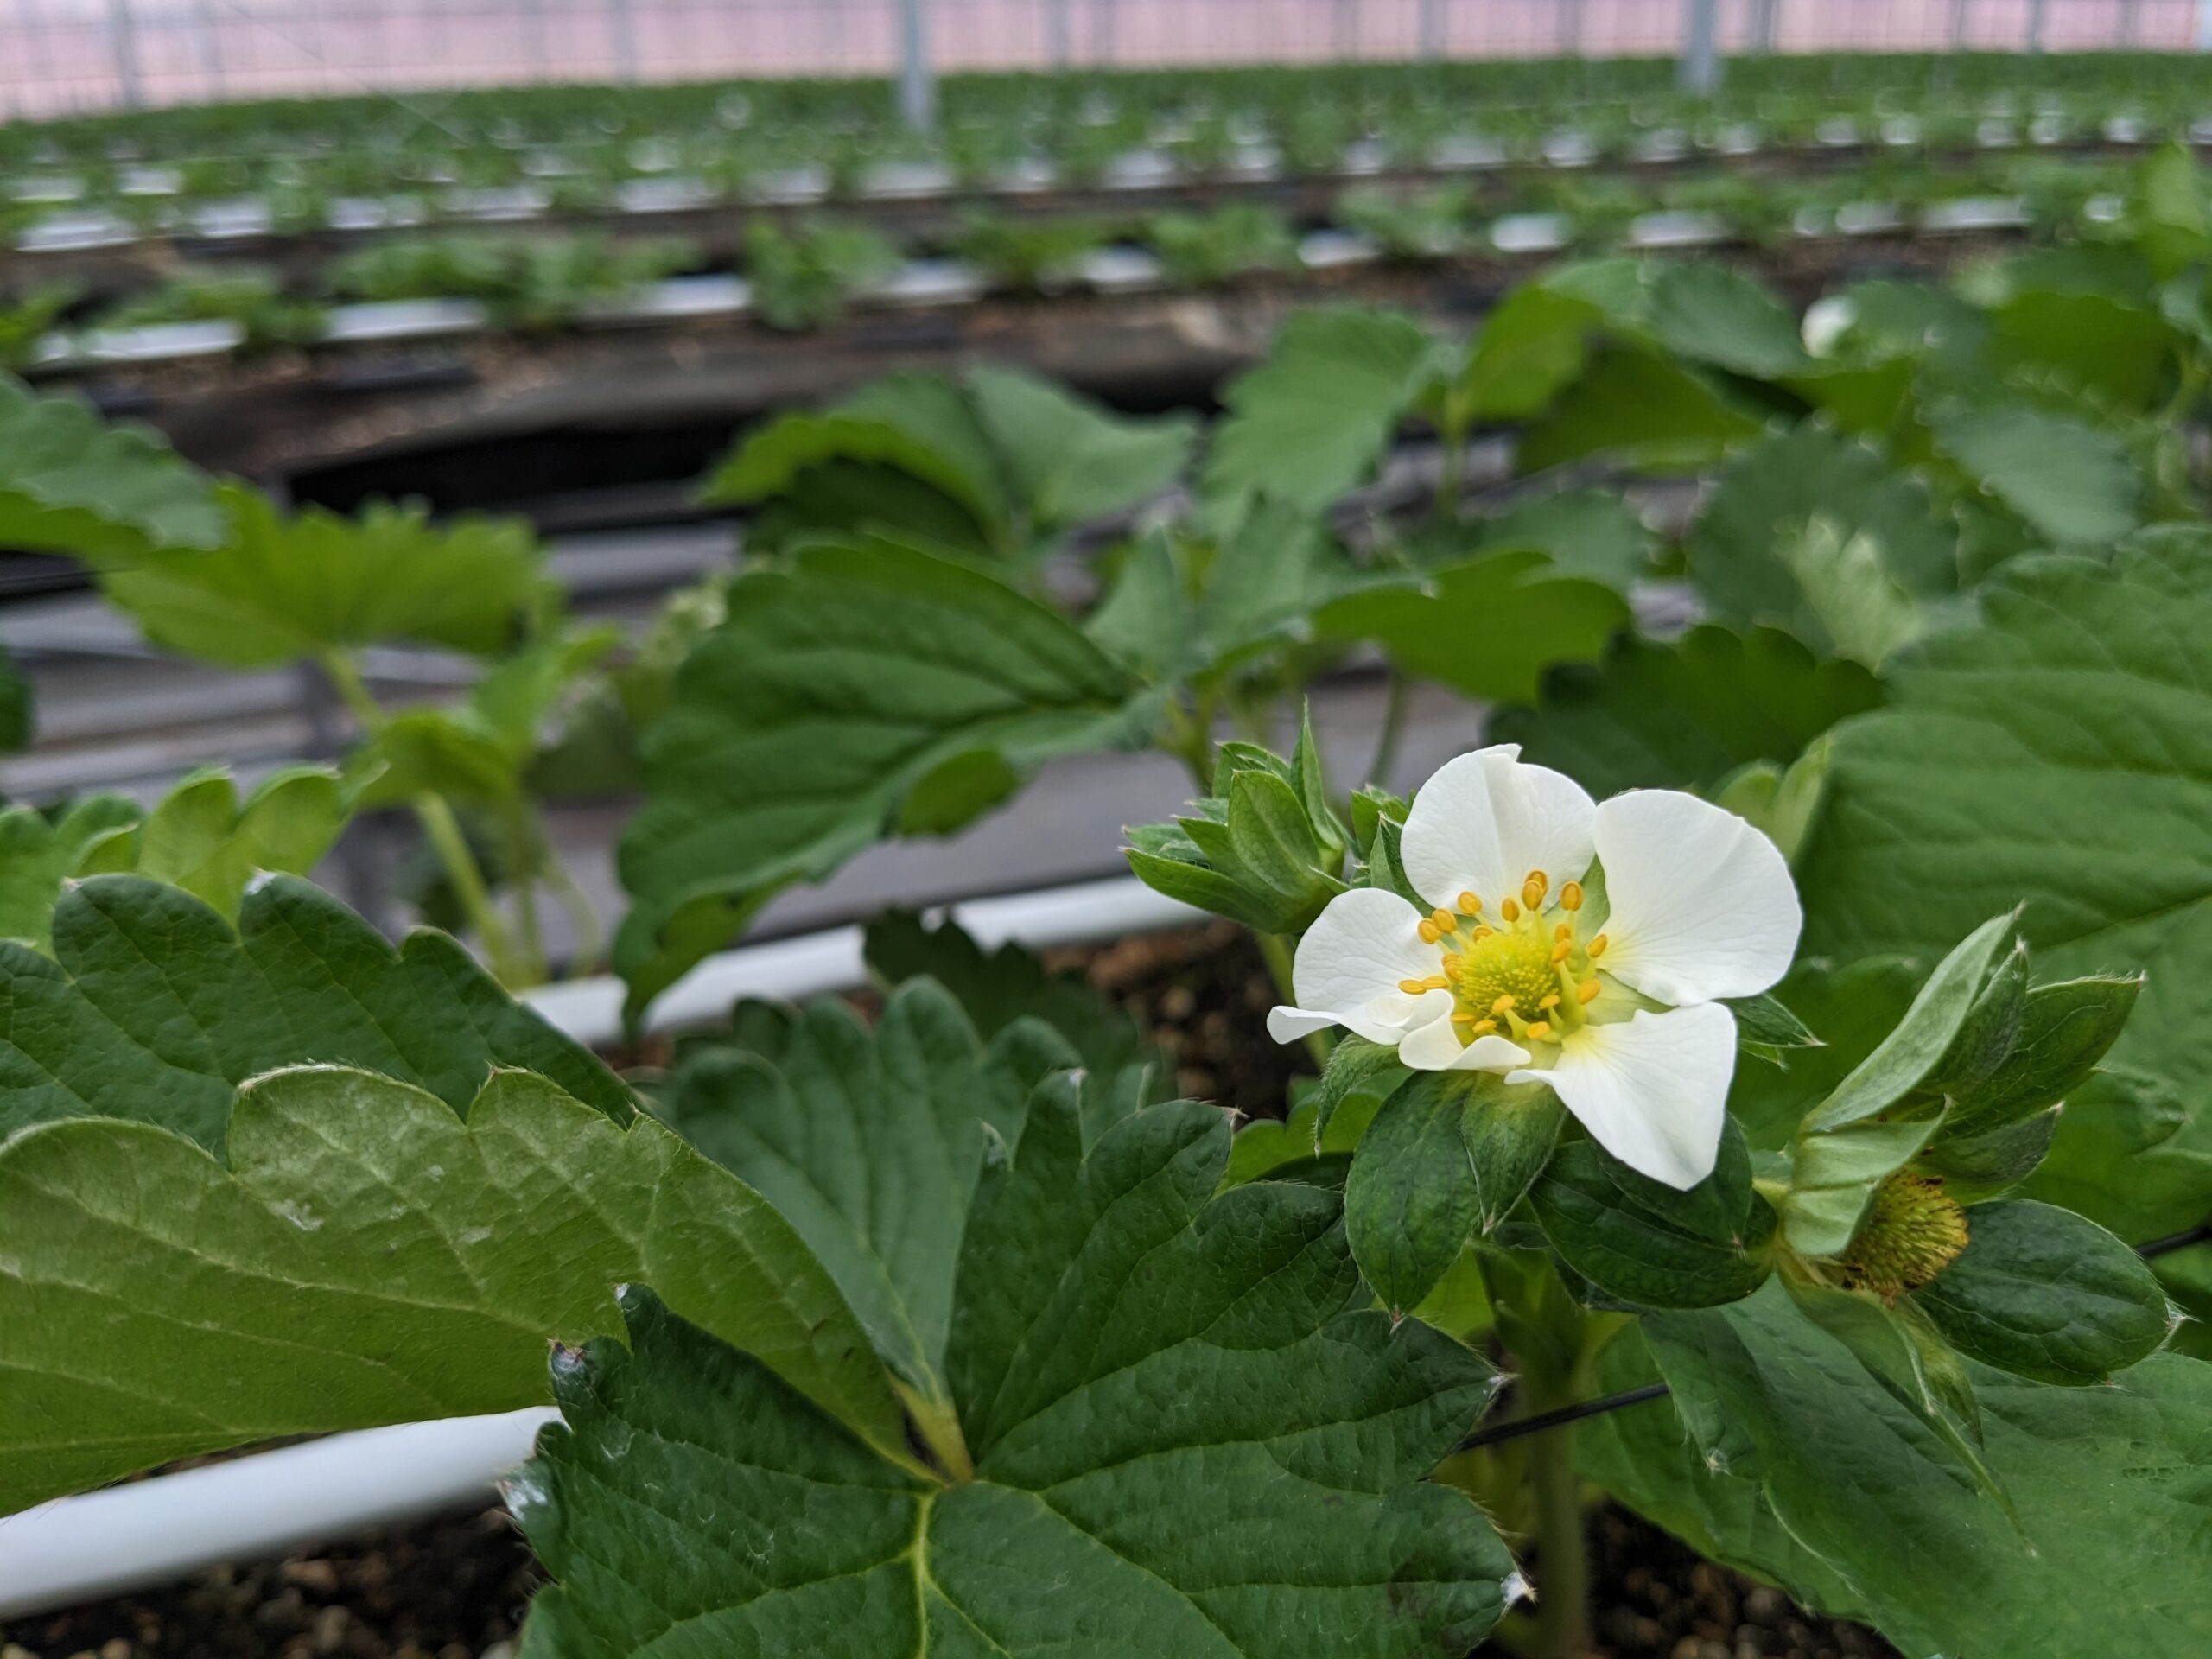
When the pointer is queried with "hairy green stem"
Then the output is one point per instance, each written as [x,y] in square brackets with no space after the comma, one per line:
[443,829]
[1560,1628]
[440,827]
[522,866]
[583,920]
[1392,733]
[1275,952]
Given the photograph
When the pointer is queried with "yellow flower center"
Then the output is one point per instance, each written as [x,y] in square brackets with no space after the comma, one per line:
[1528,974]
[1913,1230]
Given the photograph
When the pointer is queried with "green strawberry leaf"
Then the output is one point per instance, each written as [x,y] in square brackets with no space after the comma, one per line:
[70,484]
[835,688]
[155,1007]
[1687,712]
[2053,756]
[2044,1294]
[2112,1487]
[1091,1288]
[870,1142]
[283,589]
[368,1257]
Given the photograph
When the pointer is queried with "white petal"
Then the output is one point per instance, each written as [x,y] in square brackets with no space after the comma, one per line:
[1702,903]
[1435,1048]
[1484,821]
[1351,960]
[1652,1091]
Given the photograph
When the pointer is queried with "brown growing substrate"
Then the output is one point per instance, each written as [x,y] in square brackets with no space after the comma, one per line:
[456,1587]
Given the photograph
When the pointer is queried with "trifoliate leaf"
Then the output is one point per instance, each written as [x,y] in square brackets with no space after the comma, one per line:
[996,988]
[1527,349]
[2072,483]
[2110,1486]
[2122,1155]
[369,1258]
[1309,423]
[2053,755]
[833,690]
[202,838]
[1644,407]
[1068,460]
[480,750]
[70,484]
[870,1142]
[1648,1243]
[39,854]
[282,589]
[1877,534]
[155,1007]
[1591,533]
[1278,1511]
[1489,627]
[2044,1294]
[1687,713]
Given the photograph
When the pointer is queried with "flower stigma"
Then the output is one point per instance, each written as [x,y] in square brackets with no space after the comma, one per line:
[1528,975]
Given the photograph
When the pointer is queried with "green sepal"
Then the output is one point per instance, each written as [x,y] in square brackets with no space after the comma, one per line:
[2045,1294]
[1648,1243]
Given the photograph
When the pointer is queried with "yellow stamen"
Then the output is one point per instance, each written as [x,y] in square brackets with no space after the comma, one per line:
[1540,1030]
[1469,905]
[1444,920]
[1586,992]
[1510,911]
[1564,931]
[1429,932]
[1484,932]
[1570,896]
[1561,952]
[1416,986]
[1503,1005]
[1534,889]
[1475,1027]
[1598,946]
[1451,964]
[1551,1001]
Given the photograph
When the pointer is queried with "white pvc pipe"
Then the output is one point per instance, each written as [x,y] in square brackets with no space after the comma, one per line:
[105,1543]
[590,1010]
[151,1532]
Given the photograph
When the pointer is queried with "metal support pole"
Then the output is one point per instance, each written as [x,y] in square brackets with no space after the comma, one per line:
[211,47]
[2131,17]
[2036,9]
[1059,45]
[626,39]
[1570,28]
[917,80]
[533,35]
[1761,32]
[1432,29]
[123,46]
[1102,31]
[1958,25]
[1698,70]
[1347,28]
[2204,25]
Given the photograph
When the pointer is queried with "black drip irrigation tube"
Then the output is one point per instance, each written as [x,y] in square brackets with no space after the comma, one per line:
[1539,1422]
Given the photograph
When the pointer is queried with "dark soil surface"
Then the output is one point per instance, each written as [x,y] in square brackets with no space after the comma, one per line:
[456,1587]
[1203,994]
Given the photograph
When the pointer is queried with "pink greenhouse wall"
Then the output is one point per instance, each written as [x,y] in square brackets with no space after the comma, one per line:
[62,55]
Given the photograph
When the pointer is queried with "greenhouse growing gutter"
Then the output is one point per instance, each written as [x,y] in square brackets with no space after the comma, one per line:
[76,1550]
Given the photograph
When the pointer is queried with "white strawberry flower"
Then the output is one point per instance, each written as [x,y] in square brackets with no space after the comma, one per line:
[1580,945]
